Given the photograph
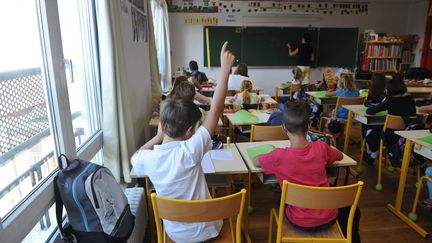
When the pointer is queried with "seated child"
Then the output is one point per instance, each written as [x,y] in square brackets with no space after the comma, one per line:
[305,163]
[246,96]
[329,80]
[345,88]
[240,74]
[199,76]
[398,102]
[298,81]
[372,133]
[174,167]
[198,97]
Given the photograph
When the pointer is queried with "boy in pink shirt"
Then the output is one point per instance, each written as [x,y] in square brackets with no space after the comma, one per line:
[305,163]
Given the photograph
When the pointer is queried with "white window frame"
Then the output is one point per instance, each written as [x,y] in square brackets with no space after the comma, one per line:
[27,214]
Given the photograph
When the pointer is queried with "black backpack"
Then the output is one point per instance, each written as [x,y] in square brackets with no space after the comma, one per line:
[97,208]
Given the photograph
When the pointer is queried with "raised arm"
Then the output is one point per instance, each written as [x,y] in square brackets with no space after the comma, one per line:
[155,140]
[217,104]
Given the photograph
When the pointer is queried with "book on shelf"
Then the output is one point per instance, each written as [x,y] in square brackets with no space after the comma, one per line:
[393,51]
[380,65]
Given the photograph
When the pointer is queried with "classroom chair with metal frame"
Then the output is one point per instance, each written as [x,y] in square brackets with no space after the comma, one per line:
[341,101]
[395,123]
[193,211]
[307,197]
[267,133]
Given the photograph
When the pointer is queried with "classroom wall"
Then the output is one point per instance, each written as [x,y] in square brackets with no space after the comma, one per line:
[187,39]
[416,25]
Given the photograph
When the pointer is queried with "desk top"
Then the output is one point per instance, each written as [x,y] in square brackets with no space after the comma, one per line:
[419,89]
[212,89]
[262,115]
[242,147]
[361,110]
[234,166]
[322,99]
[414,136]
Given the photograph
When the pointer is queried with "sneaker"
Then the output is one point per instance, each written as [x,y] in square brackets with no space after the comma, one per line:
[425,207]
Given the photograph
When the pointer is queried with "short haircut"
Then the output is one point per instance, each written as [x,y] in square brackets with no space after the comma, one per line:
[177,116]
[296,117]
[242,70]
[183,90]
[396,86]
[193,65]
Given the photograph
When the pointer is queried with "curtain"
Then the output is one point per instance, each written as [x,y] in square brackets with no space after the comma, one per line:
[117,117]
[154,66]
[162,39]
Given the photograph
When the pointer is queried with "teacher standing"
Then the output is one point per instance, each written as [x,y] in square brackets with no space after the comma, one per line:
[305,53]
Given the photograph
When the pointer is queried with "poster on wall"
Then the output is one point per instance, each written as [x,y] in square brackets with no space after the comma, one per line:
[139,25]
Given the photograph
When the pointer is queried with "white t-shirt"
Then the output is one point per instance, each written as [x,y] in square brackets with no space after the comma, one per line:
[235,80]
[175,170]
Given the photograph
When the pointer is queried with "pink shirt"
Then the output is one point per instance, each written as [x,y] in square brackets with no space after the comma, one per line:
[306,166]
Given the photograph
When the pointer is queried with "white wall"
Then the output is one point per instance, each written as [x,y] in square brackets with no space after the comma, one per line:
[416,25]
[187,40]
[137,70]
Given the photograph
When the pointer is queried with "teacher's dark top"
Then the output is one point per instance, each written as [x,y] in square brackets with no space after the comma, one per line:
[304,55]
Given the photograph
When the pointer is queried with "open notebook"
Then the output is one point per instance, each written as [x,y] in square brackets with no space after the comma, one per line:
[258,150]
[212,155]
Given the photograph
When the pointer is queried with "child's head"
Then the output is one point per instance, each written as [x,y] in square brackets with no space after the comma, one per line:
[193,66]
[396,86]
[378,85]
[183,90]
[298,73]
[346,82]
[178,118]
[242,70]
[306,38]
[330,78]
[246,87]
[296,117]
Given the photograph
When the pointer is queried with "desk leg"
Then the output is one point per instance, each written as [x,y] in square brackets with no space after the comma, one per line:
[347,131]
[247,185]
[396,209]
[231,131]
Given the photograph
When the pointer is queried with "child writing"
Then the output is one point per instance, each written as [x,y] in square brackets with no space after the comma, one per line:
[305,163]
[345,88]
[174,167]
[246,96]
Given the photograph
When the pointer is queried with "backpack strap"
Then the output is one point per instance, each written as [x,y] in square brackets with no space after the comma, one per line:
[59,160]
[64,234]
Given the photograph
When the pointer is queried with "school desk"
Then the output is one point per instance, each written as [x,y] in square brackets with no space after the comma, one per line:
[243,147]
[423,148]
[358,112]
[222,166]
[321,98]
[279,88]
[266,100]
[244,126]
[420,92]
[208,91]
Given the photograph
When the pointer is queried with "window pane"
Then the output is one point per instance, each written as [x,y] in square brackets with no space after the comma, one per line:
[79,49]
[26,143]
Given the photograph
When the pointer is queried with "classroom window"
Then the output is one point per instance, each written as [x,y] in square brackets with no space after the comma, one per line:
[26,141]
[49,105]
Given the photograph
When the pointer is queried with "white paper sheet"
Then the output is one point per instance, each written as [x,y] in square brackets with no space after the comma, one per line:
[221,154]
[207,164]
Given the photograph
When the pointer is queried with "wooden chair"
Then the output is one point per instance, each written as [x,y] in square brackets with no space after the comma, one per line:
[396,123]
[341,101]
[267,133]
[314,198]
[193,211]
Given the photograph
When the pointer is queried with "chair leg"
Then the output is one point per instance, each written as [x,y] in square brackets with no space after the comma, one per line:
[360,167]
[270,227]
[378,186]
[320,124]
[213,192]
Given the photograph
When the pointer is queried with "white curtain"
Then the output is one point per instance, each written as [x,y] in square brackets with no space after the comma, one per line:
[118,140]
[154,66]
[162,38]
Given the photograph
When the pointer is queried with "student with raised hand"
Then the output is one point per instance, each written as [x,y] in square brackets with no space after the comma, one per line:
[174,167]
[305,163]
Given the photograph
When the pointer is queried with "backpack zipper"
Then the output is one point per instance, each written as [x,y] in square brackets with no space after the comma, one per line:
[93,190]
[74,195]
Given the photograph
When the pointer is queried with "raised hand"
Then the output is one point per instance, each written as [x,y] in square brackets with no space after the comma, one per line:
[227,58]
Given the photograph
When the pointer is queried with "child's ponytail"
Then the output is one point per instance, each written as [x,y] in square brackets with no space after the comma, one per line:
[246,87]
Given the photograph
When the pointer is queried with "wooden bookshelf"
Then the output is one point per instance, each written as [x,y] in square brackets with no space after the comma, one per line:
[389,57]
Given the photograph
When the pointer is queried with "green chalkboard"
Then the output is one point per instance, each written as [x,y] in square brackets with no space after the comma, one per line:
[338,47]
[267,46]
[217,37]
